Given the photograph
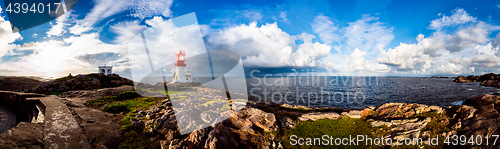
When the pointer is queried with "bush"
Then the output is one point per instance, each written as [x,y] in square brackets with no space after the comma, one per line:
[115,107]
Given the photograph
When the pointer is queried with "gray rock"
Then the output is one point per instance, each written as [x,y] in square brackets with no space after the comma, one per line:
[313,116]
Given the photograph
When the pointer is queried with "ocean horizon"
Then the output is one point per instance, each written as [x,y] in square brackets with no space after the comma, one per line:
[358,92]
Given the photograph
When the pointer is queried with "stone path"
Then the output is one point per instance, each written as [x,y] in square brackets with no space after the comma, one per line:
[61,129]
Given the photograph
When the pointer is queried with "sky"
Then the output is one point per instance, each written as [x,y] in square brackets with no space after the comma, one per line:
[345,37]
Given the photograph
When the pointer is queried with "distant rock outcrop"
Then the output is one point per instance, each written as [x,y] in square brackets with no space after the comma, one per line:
[490,79]
[18,84]
[81,82]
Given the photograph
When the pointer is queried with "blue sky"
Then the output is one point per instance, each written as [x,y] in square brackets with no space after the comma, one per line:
[395,38]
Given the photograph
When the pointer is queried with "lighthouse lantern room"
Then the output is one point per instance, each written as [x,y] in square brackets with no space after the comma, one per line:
[181,76]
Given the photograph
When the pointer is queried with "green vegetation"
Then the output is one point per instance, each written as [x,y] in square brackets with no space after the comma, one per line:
[129,102]
[127,95]
[133,140]
[115,107]
[160,90]
[125,121]
[398,113]
[57,93]
[131,106]
[109,99]
[338,128]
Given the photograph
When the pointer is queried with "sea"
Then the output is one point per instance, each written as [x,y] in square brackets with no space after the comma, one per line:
[355,92]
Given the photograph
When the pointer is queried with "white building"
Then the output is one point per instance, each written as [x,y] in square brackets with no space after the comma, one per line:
[106,70]
[180,75]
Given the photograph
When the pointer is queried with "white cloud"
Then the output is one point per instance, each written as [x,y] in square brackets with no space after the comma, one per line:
[7,37]
[459,16]
[468,37]
[81,53]
[356,63]
[283,17]
[305,37]
[360,39]
[467,51]
[452,69]
[127,30]
[269,46]
[252,15]
[60,27]
[326,29]
[366,34]
[58,58]
[406,57]
[107,8]
[498,6]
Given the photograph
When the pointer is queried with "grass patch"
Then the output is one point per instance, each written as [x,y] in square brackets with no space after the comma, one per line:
[133,105]
[161,91]
[57,93]
[115,107]
[124,102]
[125,121]
[133,140]
[110,99]
[338,128]
[127,95]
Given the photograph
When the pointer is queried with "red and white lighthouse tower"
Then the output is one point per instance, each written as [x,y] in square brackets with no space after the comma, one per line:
[180,75]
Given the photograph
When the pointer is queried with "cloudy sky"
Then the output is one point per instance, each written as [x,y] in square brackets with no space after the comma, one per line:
[393,38]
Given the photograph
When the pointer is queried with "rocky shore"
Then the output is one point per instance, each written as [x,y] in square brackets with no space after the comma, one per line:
[259,124]
[202,117]
[490,79]
[264,125]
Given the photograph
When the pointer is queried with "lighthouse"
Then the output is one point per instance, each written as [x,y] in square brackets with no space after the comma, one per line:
[181,76]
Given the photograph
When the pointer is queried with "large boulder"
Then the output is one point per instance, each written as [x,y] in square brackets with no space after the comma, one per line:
[313,116]
[461,79]
[401,111]
[480,116]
